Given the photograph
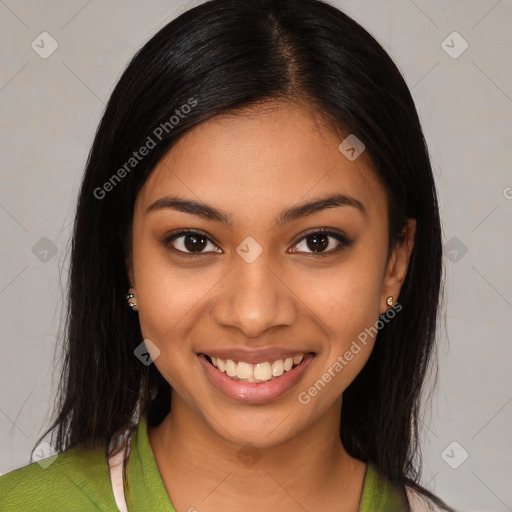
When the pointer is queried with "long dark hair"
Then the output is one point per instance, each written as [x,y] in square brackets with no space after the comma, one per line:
[225,56]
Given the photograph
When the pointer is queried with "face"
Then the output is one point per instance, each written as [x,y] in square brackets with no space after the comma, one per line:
[262,278]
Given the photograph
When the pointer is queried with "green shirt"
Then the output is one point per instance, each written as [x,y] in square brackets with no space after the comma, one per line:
[78,480]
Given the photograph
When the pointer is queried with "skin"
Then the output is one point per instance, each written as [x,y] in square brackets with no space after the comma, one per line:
[253,166]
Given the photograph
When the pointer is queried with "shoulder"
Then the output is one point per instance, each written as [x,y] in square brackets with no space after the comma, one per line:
[418,502]
[380,494]
[73,480]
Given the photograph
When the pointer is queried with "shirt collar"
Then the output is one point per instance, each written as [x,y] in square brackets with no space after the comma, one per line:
[145,489]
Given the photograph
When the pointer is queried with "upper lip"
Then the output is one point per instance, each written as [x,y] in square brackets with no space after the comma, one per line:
[253,355]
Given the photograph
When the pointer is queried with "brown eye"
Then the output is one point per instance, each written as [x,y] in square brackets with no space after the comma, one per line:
[317,243]
[190,242]
[322,242]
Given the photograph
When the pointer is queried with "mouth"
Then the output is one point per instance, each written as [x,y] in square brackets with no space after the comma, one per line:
[265,371]
[258,382]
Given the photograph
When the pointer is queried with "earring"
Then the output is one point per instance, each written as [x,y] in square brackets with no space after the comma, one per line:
[390,300]
[132,303]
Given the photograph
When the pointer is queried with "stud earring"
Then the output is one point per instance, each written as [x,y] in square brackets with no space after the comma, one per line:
[130,298]
[390,300]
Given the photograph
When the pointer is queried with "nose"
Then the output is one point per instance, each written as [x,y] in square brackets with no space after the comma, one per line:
[253,298]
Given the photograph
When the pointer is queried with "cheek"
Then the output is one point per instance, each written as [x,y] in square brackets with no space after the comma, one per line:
[347,302]
[167,297]
[168,309]
[347,297]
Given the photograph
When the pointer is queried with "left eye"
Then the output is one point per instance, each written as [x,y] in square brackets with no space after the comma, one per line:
[321,242]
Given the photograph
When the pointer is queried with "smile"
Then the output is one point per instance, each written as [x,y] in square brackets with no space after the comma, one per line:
[267,377]
[260,372]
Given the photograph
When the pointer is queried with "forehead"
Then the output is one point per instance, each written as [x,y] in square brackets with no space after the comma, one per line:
[256,163]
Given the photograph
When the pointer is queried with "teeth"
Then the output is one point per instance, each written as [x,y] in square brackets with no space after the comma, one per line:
[260,372]
[230,367]
[277,368]
[244,370]
[263,371]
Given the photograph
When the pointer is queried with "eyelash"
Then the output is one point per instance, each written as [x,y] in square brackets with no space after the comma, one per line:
[344,242]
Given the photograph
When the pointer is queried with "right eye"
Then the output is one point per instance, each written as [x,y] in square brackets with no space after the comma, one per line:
[189,242]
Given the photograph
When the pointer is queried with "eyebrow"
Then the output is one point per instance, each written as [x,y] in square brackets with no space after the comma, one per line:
[295,212]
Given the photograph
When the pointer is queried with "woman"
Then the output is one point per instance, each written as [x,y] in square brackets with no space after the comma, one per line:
[255,277]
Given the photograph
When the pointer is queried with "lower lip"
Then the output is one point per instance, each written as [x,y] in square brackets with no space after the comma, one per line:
[254,392]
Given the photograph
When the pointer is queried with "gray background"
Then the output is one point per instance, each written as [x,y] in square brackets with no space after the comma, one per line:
[50,109]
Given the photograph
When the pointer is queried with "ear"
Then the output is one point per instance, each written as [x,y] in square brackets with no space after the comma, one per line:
[398,265]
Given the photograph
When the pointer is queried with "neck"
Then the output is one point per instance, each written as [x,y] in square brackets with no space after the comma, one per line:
[300,473]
